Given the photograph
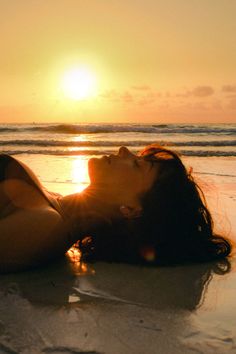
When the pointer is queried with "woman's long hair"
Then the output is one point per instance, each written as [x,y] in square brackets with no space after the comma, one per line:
[175,227]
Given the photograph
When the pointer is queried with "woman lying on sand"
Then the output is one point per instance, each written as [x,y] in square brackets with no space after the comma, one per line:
[143,209]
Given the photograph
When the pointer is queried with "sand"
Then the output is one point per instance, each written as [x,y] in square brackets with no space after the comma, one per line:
[70,307]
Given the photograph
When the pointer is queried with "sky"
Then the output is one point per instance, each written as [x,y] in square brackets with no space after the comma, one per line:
[152,61]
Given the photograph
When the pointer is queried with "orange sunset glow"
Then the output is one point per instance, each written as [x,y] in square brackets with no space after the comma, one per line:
[112,61]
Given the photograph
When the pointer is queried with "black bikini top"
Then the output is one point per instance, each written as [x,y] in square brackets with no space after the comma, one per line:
[13,168]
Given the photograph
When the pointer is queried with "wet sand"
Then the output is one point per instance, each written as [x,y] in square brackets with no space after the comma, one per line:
[70,307]
[119,309]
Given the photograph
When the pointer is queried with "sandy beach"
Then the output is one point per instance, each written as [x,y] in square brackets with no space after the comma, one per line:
[69,307]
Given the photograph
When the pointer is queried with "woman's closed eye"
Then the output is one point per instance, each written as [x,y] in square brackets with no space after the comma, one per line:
[137,163]
[150,161]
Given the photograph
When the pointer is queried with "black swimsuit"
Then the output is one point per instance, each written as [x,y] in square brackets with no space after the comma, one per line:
[12,168]
[4,163]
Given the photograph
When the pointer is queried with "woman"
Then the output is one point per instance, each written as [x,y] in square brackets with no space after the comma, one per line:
[137,209]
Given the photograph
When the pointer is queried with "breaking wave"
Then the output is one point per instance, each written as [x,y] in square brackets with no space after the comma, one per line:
[100,152]
[115,143]
[122,128]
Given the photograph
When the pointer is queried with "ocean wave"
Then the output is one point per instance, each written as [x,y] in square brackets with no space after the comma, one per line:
[203,153]
[207,153]
[83,143]
[122,128]
[8,129]
[101,143]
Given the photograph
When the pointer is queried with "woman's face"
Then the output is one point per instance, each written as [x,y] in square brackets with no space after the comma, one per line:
[124,176]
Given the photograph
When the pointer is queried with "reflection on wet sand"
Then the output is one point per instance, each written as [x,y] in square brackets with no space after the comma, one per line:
[180,287]
[104,308]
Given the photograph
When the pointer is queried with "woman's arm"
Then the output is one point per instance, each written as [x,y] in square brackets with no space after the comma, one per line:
[32,232]
[31,237]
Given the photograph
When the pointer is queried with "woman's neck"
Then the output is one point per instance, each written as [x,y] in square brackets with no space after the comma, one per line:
[90,201]
[85,211]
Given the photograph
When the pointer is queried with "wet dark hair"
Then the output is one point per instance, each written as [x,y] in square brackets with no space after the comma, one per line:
[175,227]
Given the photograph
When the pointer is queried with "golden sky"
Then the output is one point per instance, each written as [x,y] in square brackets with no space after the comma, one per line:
[153,60]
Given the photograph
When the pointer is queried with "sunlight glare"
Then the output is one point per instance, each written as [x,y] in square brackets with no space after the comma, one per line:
[80,174]
[79,83]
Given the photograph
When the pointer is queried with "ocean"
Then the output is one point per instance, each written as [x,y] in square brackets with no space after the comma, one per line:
[98,139]
[58,153]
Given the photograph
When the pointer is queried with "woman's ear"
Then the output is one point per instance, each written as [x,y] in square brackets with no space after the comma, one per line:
[131,212]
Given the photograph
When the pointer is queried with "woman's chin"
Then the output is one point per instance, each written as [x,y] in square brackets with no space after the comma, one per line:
[90,166]
[91,161]
[93,168]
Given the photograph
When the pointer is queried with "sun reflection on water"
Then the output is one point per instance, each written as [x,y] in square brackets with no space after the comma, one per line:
[79,137]
[79,173]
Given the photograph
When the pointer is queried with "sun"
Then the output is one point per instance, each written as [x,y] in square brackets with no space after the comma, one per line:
[79,83]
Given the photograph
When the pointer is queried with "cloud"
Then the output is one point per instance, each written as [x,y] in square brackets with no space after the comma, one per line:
[202,91]
[146,101]
[142,96]
[198,91]
[183,95]
[115,96]
[141,88]
[111,95]
[232,96]
[126,97]
[229,88]
[147,96]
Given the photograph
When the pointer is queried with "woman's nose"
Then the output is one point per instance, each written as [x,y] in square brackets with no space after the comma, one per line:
[124,152]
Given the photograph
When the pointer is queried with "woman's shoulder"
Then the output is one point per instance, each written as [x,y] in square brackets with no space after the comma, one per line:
[21,188]
[31,237]
[12,168]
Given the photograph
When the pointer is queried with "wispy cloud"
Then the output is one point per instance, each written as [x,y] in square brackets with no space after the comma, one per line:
[140,95]
[198,91]
[146,101]
[229,88]
[116,96]
[126,97]
[111,95]
[203,91]
[143,95]
[141,88]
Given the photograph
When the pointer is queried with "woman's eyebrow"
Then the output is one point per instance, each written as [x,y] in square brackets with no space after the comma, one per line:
[148,158]
[145,158]
[151,159]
